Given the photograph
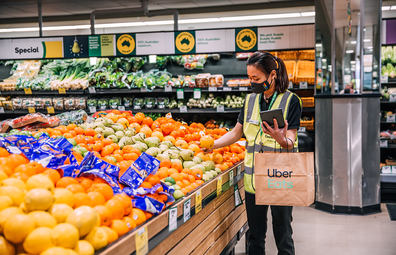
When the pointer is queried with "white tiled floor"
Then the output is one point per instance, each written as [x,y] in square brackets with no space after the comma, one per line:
[321,233]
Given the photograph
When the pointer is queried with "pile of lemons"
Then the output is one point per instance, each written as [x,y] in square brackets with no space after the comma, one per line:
[36,218]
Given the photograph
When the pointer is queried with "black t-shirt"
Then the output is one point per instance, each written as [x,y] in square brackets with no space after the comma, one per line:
[293,115]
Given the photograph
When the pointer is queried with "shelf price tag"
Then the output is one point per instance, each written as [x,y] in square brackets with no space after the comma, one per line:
[180,94]
[290,85]
[219,189]
[243,88]
[383,143]
[231,175]
[136,107]
[386,170]
[62,91]
[197,93]
[198,201]
[143,89]
[239,170]
[168,88]
[303,85]
[92,90]
[393,169]
[212,89]
[390,118]
[121,108]
[384,78]
[183,108]
[302,129]
[227,89]
[1,109]
[28,91]
[187,210]
[31,109]
[50,110]
[172,219]
[141,241]
[220,108]
[237,196]
[392,98]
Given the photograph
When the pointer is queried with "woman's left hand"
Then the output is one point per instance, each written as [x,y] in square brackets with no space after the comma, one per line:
[279,134]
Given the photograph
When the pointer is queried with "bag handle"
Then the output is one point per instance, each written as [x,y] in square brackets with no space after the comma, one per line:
[287,148]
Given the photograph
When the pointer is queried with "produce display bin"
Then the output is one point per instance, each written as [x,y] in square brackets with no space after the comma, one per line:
[308,101]
[209,231]
[305,72]
[308,124]
[306,54]
[291,69]
[285,55]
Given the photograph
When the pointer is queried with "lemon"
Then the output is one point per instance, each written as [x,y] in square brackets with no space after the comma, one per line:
[6,213]
[14,193]
[3,176]
[5,202]
[65,235]
[84,248]
[6,248]
[72,252]
[38,199]
[40,181]
[64,196]
[17,227]
[98,238]
[60,212]
[110,233]
[14,182]
[55,251]
[84,218]
[38,240]
[43,219]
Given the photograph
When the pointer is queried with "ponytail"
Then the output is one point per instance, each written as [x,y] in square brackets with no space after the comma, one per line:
[282,79]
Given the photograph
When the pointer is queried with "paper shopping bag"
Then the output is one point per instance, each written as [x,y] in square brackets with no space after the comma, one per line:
[284,178]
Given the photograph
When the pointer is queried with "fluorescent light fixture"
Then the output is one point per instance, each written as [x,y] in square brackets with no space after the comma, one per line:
[307,14]
[353,69]
[318,45]
[92,60]
[349,51]
[152,59]
[393,7]
[159,22]
[269,16]
[353,42]
[385,8]
[366,40]
[353,62]
[346,69]
[66,27]
[129,24]
[188,21]
[370,47]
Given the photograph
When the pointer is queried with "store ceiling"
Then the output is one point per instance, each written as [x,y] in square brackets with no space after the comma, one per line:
[25,11]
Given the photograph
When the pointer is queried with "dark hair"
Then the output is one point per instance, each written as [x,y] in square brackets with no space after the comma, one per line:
[266,62]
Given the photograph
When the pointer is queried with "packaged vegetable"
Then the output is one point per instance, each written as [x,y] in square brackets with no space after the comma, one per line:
[58,103]
[150,102]
[103,103]
[128,101]
[69,103]
[92,102]
[114,102]
[138,103]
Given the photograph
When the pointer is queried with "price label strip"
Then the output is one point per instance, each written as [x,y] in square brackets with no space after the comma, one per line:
[231,175]
[183,108]
[197,93]
[92,109]
[392,98]
[50,110]
[386,170]
[303,85]
[227,89]
[239,170]
[198,201]
[141,241]
[390,118]
[290,85]
[121,108]
[143,89]
[384,79]
[212,89]
[302,129]
[172,219]
[237,195]
[31,109]
[219,189]
[62,91]
[383,143]
[180,94]
[187,210]
[28,91]
[220,108]
[1,109]
[168,88]
[92,90]
[243,88]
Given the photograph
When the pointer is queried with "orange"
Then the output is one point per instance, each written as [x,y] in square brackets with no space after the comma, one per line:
[105,214]
[191,178]
[199,182]
[68,135]
[21,176]
[148,215]
[126,201]
[111,234]
[118,157]
[180,184]
[25,168]
[103,189]
[197,173]
[177,177]
[71,126]
[97,198]
[138,216]
[4,153]
[107,150]
[53,175]
[172,171]
[217,158]
[188,188]
[115,146]
[89,132]
[130,156]
[6,170]
[166,163]
[129,222]
[148,121]
[81,199]
[15,160]
[76,188]
[186,171]
[170,138]
[86,183]
[112,116]
[178,166]
[182,144]
[195,148]
[120,152]
[146,185]
[98,137]
[98,180]
[206,142]
[194,185]
[139,117]
[107,141]
[184,191]
[185,176]
[56,133]
[158,134]
[186,183]
[146,130]
[120,227]
[163,174]
[116,207]
[79,130]
[135,126]
[153,180]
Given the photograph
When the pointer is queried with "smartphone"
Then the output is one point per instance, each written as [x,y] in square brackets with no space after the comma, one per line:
[269,116]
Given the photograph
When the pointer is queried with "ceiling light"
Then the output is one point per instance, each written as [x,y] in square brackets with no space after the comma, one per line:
[353,62]
[366,40]
[160,22]
[369,47]
[393,7]
[254,17]
[187,21]
[349,51]
[318,45]
[353,42]
[130,24]
[307,14]
[385,8]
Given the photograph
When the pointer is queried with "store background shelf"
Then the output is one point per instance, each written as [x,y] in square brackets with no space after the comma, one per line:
[389,178]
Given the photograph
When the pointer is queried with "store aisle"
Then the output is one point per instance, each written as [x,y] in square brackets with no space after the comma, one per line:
[321,233]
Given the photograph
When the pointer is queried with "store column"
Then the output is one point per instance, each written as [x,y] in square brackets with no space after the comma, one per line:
[347,123]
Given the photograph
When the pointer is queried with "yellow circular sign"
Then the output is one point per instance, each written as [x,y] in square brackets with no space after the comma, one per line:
[125,44]
[185,42]
[246,39]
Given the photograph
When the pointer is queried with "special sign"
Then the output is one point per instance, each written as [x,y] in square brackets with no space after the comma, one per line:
[125,44]
[246,39]
[185,42]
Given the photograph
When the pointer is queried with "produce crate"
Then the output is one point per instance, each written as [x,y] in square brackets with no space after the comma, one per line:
[305,72]
[284,55]
[308,101]
[390,162]
[273,53]
[306,54]
[291,69]
[309,124]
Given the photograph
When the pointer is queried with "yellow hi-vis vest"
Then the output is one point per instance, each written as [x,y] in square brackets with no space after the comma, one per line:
[264,142]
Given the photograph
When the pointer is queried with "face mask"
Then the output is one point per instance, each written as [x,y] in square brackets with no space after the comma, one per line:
[259,88]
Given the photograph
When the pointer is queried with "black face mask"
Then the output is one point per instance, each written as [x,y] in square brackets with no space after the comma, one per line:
[259,88]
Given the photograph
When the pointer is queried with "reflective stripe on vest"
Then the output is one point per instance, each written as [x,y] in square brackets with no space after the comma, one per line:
[264,142]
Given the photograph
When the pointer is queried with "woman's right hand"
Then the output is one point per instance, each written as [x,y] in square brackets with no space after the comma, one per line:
[207,150]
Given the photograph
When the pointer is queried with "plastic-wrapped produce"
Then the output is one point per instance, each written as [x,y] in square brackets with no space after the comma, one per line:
[80,103]
[17,103]
[216,80]
[138,103]
[114,102]
[47,102]
[202,80]
[162,102]
[128,101]
[73,117]
[103,103]
[69,103]
[58,103]
[150,102]
[92,102]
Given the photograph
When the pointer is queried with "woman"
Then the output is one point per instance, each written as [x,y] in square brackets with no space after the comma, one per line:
[269,80]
